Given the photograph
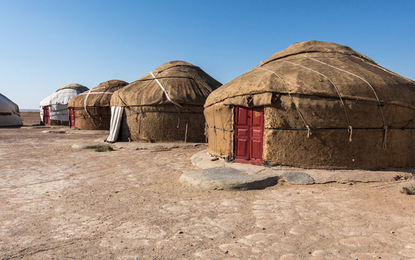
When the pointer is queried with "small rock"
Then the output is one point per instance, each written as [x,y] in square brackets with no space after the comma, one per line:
[409,188]
[298,178]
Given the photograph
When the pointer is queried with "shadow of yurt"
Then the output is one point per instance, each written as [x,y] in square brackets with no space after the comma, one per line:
[9,113]
[316,105]
[91,110]
[54,108]
[164,105]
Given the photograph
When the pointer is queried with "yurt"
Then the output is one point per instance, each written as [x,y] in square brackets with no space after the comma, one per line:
[315,105]
[91,110]
[9,113]
[54,108]
[164,105]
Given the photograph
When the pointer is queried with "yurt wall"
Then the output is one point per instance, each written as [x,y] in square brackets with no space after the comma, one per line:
[163,123]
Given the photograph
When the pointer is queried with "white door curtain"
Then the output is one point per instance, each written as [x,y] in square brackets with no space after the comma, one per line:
[115,123]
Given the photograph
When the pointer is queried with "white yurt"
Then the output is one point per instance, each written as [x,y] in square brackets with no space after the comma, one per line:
[54,108]
[9,112]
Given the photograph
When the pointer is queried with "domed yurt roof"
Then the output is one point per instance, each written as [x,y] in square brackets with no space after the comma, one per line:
[314,46]
[323,69]
[99,96]
[182,82]
[63,95]
[7,105]
[75,86]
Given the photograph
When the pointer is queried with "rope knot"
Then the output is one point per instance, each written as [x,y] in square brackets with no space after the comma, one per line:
[309,131]
[350,130]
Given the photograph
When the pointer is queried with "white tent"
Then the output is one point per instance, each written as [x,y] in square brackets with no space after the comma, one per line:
[57,103]
[9,112]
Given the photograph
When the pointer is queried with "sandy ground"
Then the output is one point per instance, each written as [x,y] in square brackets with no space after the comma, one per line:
[60,203]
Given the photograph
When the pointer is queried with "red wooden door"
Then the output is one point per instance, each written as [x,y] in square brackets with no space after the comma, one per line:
[249,125]
[46,116]
[72,118]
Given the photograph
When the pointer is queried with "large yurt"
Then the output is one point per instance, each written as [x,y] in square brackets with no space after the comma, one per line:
[9,113]
[163,105]
[315,105]
[91,110]
[54,108]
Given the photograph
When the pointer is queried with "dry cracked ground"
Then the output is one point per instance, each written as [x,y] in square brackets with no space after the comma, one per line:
[60,203]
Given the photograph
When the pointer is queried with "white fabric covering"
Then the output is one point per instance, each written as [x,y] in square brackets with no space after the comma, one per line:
[58,103]
[115,123]
[9,112]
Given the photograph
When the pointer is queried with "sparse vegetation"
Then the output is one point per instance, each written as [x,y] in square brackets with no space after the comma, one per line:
[106,148]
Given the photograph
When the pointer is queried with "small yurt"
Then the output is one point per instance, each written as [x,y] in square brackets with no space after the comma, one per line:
[91,110]
[54,108]
[9,113]
[317,105]
[164,105]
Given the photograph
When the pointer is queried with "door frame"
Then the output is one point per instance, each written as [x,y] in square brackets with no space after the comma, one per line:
[46,116]
[71,118]
[249,158]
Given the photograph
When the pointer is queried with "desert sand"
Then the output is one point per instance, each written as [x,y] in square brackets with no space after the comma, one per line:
[62,203]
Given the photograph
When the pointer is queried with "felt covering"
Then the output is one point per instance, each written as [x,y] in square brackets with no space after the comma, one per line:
[184,83]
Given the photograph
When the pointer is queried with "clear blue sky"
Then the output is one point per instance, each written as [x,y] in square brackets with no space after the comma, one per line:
[47,44]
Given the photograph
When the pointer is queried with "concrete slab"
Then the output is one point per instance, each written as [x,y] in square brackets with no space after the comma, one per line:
[89,145]
[227,179]
[153,146]
[204,161]
[54,131]
[347,176]
[250,168]
[215,173]
[100,142]
[88,132]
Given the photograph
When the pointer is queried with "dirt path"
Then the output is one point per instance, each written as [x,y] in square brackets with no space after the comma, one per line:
[61,203]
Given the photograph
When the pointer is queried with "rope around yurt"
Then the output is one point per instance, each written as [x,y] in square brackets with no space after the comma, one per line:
[350,128]
[385,127]
[292,100]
